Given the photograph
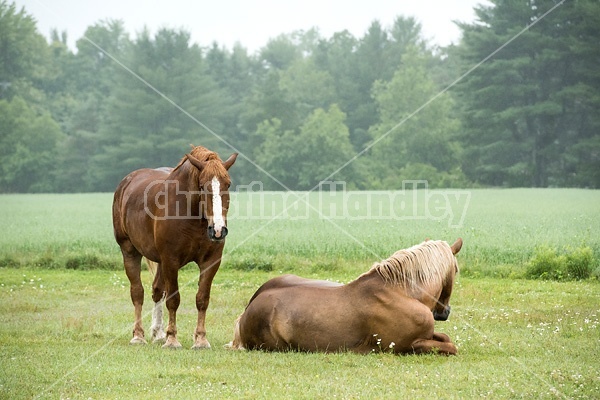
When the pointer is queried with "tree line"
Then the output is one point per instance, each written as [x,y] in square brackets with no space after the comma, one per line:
[372,111]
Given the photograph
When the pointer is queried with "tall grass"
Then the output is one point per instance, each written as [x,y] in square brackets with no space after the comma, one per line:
[337,230]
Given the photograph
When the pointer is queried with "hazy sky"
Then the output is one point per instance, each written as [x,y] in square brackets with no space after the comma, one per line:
[250,23]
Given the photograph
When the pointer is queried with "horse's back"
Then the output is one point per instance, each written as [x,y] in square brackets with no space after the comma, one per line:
[290,280]
[142,177]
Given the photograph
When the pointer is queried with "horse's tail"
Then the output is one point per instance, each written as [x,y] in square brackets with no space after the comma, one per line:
[236,343]
[152,267]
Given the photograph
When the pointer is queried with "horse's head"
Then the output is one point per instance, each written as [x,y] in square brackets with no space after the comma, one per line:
[441,311]
[214,182]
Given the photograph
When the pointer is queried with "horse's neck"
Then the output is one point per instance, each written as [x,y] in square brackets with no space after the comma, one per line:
[187,188]
[374,282]
[370,280]
[182,176]
[427,295]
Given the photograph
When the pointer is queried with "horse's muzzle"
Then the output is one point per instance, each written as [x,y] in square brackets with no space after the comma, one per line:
[212,234]
[441,315]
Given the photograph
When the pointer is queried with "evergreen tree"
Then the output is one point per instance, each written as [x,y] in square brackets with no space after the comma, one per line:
[530,107]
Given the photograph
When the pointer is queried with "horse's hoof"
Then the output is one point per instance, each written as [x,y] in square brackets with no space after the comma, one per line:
[137,340]
[171,344]
[159,337]
[233,346]
[201,346]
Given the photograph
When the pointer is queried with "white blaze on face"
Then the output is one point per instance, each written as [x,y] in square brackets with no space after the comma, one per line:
[217,206]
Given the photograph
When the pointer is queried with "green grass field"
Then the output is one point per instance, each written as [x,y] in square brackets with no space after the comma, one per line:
[65,312]
[501,229]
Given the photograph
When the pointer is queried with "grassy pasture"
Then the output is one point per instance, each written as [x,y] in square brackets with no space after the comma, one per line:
[64,334]
[65,313]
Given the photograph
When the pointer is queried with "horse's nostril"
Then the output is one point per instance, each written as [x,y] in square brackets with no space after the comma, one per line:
[212,233]
[442,315]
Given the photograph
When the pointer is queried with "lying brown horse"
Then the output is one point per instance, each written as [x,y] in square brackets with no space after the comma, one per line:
[173,216]
[391,307]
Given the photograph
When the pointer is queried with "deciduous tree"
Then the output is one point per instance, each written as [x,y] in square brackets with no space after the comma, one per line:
[301,158]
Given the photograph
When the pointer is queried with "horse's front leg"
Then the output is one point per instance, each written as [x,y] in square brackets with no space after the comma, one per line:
[170,273]
[440,343]
[202,299]
[441,337]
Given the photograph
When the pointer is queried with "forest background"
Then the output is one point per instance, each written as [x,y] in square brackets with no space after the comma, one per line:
[372,111]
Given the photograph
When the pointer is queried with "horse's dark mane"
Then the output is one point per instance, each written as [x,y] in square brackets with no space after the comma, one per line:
[213,167]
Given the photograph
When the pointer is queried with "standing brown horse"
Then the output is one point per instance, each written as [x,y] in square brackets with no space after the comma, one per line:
[391,307]
[173,216]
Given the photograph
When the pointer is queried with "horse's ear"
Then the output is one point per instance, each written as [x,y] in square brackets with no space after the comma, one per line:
[456,246]
[195,162]
[227,164]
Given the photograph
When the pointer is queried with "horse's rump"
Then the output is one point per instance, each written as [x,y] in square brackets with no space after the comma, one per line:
[275,316]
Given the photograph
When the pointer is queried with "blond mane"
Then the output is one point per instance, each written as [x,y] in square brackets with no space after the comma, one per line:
[213,168]
[424,264]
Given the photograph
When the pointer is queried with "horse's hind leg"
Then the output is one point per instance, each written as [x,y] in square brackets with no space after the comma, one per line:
[133,266]
[158,295]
